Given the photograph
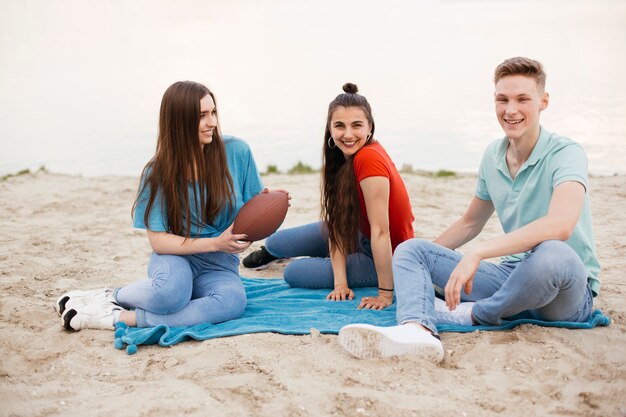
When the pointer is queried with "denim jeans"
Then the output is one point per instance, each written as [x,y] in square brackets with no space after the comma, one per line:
[185,290]
[311,240]
[549,284]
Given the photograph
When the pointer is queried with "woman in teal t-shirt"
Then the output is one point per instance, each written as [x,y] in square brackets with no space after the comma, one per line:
[189,194]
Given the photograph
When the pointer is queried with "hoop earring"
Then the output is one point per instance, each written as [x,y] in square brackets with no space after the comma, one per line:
[334,144]
[369,135]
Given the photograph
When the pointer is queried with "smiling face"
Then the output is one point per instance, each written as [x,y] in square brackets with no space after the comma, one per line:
[350,129]
[519,101]
[208,120]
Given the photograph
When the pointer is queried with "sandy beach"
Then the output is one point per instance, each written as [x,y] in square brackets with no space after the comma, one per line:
[63,232]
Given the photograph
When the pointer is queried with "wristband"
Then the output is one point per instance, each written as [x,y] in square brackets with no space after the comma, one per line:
[384,289]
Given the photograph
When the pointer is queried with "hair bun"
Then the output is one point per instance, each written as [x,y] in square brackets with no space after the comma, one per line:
[350,88]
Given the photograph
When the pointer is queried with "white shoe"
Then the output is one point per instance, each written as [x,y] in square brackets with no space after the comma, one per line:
[462,314]
[79,299]
[92,316]
[367,341]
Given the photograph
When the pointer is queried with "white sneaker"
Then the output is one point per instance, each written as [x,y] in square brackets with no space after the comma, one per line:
[462,314]
[79,299]
[367,341]
[92,316]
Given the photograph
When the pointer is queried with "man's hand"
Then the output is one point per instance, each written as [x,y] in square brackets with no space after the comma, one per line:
[461,277]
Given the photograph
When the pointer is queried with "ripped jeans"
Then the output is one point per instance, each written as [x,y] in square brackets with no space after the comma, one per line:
[549,284]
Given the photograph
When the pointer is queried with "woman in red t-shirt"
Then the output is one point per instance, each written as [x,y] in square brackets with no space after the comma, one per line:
[366,213]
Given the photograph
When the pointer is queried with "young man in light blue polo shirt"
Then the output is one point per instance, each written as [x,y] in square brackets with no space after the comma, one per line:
[537,183]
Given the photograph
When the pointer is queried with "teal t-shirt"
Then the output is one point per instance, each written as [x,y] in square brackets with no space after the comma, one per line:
[554,160]
[246,184]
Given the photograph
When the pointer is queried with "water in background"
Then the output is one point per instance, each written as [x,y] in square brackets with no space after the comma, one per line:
[81,81]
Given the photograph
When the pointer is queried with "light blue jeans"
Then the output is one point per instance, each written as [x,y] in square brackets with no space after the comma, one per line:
[549,284]
[311,240]
[186,290]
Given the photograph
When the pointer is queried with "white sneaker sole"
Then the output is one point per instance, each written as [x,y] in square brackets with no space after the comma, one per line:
[66,318]
[76,299]
[91,317]
[365,341]
[61,304]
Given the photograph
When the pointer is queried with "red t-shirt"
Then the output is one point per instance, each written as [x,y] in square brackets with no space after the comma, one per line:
[373,161]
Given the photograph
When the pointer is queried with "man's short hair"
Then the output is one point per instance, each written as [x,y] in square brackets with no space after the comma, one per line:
[521,66]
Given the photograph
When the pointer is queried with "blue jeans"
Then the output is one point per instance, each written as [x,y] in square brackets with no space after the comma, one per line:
[316,271]
[549,284]
[186,290]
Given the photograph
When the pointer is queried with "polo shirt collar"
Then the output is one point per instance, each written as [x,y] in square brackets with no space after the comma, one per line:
[535,156]
[540,147]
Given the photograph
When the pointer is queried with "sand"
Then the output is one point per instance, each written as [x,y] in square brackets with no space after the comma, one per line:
[66,232]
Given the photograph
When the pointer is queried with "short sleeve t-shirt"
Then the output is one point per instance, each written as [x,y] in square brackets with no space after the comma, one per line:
[373,161]
[519,201]
[246,184]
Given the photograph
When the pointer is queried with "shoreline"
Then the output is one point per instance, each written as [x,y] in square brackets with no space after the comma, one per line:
[63,232]
[441,173]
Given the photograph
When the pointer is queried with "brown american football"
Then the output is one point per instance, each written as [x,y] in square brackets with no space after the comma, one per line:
[261,215]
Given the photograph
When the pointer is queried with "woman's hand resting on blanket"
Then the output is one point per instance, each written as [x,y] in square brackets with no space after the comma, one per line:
[376,303]
[340,294]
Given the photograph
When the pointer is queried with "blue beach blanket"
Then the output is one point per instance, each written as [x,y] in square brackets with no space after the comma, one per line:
[273,306]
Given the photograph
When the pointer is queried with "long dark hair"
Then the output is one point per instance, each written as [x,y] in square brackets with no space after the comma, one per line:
[179,160]
[340,198]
